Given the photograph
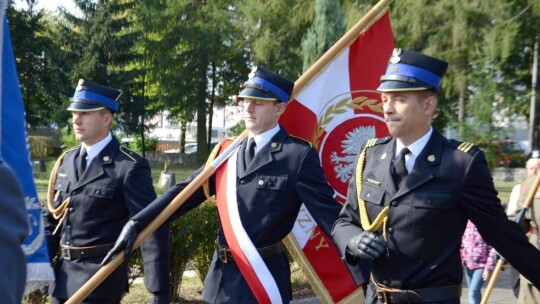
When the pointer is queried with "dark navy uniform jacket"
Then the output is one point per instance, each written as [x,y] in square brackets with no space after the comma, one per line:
[13,231]
[283,174]
[115,185]
[427,216]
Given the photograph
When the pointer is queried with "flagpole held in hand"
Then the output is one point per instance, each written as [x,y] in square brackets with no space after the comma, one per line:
[519,219]
[178,201]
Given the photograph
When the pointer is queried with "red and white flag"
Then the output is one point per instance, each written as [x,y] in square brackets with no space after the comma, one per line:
[338,111]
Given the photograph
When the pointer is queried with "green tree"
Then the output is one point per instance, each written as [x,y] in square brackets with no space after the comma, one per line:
[104,45]
[327,28]
[196,56]
[273,33]
[41,66]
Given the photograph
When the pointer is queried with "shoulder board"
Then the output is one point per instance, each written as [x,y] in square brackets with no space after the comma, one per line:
[301,140]
[465,147]
[377,141]
[130,154]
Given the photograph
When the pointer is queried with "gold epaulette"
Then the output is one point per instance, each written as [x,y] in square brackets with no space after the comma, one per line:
[371,142]
[465,147]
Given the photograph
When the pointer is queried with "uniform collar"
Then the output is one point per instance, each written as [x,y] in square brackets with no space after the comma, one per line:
[417,146]
[93,150]
[264,138]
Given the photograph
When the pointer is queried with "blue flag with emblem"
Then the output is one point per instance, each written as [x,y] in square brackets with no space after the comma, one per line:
[14,150]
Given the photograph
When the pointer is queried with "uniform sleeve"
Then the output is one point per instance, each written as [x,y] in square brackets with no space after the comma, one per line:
[155,207]
[139,192]
[49,225]
[155,249]
[316,193]
[348,224]
[13,230]
[482,206]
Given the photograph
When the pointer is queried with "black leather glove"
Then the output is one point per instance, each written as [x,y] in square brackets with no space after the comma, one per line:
[366,246]
[125,242]
[159,298]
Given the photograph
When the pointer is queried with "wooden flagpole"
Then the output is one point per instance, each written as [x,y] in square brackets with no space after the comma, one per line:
[519,219]
[178,201]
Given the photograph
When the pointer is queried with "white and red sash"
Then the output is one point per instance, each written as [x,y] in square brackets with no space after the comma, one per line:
[245,254]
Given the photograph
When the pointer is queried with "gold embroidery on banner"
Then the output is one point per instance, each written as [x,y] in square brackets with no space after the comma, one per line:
[340,107]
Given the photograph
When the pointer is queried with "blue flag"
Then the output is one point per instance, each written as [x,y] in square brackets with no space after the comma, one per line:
[14,150]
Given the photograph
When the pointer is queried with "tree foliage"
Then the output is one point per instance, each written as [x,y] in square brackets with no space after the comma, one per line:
[328,26]
[185,56]
[40,64]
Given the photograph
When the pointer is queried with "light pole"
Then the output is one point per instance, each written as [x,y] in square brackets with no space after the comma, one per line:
[532,116]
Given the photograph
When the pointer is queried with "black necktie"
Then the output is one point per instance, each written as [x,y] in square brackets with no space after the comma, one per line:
[250,153]
[400,171]
[82,163]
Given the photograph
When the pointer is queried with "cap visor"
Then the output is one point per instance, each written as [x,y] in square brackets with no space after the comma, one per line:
[255,94]
[84,107]
[398,86]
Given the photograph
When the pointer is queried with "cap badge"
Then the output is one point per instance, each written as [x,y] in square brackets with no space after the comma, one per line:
[395,56]
[79,85]
[253,70]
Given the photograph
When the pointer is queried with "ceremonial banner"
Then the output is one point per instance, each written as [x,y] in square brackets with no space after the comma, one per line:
[14,150]
[338,110]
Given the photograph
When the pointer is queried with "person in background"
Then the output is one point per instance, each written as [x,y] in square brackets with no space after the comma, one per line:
[259,192]
[95,188]
[529,292]
[411,195]
[13,231]
[533,167]
[478,260]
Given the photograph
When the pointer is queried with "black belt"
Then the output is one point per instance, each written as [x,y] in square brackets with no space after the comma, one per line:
[70,252]
[389,295]
[225,255]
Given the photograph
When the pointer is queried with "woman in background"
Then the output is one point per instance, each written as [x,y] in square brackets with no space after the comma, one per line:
[478,260]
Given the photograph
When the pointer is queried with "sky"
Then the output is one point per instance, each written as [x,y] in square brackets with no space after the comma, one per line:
[50,5]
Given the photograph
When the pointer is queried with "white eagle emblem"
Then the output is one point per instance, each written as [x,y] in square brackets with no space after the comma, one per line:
[346,160]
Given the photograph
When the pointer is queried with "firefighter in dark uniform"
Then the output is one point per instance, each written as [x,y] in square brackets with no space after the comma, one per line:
[412,193]
[94,189]
[13,231]
[269,192]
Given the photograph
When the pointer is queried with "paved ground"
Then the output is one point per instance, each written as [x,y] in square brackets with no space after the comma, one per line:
[501,293]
